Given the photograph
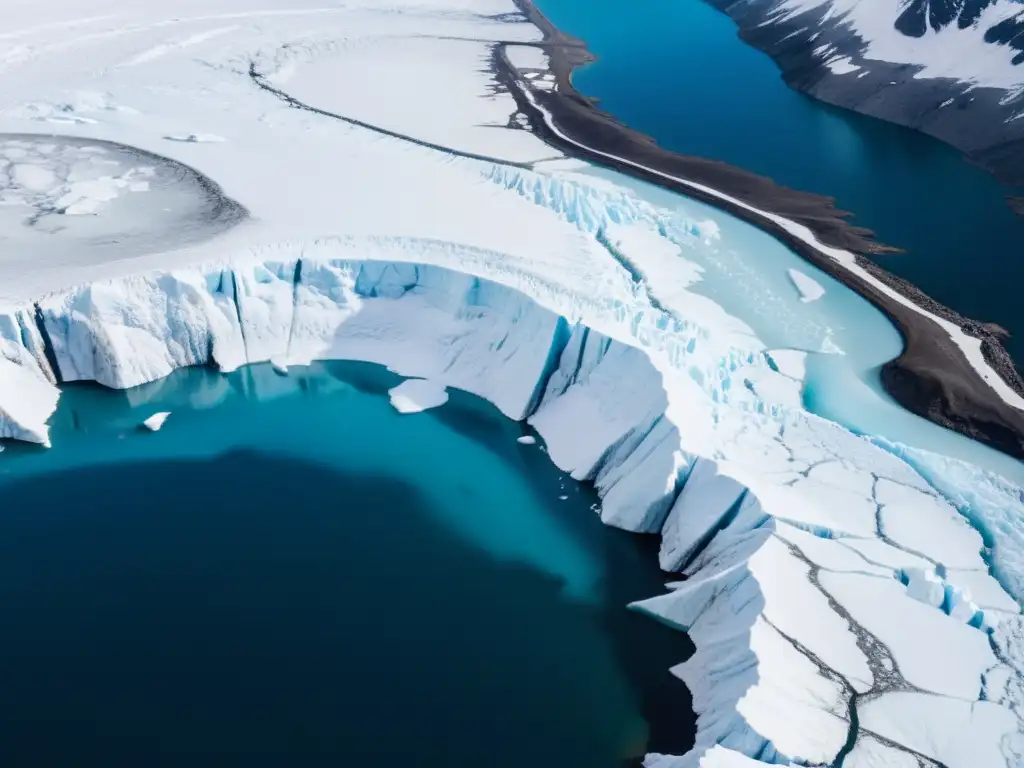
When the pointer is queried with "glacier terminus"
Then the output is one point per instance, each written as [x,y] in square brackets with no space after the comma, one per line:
[232,182]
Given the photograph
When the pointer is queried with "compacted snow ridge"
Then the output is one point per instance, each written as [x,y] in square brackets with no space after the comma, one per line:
[853,602]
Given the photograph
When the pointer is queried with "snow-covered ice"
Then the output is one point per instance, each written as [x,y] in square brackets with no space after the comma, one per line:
[416,395]
[527,440]
[846,596]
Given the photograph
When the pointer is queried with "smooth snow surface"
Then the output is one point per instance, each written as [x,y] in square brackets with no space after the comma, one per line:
[415,395]
[398,214]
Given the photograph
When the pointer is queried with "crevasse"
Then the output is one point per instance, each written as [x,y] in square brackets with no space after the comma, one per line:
[840,606]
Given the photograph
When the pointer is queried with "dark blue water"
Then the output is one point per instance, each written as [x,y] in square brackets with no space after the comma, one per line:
[290,573]
[676,70]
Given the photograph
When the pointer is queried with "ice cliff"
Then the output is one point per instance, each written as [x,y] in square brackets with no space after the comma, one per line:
[842,607]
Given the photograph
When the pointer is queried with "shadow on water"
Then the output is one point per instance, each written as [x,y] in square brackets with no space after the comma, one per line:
[266,611]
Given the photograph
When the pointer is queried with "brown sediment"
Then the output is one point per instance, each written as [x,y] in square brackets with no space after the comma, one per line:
[932,377]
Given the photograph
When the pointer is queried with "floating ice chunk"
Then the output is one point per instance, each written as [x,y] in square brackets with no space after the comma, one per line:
[808,288]
[154,422]
[415,395]
[527,440]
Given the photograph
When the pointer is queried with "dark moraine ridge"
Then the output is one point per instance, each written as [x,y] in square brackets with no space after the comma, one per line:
[931,378]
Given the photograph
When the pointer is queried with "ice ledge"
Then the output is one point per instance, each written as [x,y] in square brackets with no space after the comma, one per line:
[813,560]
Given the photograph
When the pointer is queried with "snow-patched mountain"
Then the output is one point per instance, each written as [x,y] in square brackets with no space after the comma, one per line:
[951,68]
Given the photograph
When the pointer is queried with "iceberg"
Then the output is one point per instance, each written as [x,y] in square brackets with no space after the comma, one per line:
[156,421]
[808,288]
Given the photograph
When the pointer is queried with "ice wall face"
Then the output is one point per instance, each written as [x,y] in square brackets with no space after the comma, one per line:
[841,607]
[25,374]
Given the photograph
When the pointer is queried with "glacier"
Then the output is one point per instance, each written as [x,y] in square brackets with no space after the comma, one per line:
[854,600]
[825,579]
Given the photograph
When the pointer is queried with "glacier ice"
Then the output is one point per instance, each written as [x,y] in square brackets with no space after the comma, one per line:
[839,603]
[26,376]
[819,567]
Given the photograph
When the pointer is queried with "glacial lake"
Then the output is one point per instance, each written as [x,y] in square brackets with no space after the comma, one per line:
[291,573]
[676,70]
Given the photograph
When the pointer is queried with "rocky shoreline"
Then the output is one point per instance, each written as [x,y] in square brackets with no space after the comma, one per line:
[932,377]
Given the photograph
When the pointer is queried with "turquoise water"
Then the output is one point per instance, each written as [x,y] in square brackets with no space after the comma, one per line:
[676,70]
[746,273]
[290,573]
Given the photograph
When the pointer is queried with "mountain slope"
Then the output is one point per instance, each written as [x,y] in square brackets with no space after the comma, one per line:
[951,68]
